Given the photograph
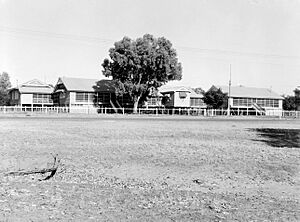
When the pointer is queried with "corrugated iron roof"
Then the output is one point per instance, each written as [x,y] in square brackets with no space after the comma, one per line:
[79,84]
[34,86]
[250,92]
[42,90]
[193,94]
[165,89]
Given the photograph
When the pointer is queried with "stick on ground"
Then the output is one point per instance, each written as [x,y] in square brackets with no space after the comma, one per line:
[51,170]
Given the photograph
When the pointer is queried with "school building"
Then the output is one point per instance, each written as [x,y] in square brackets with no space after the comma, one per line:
[262,100]
[33,93]
[181,97]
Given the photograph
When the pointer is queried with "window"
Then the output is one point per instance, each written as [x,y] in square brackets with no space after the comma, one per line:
[80,97]
[197,102]
[42,98]
[240,102]
[84,97]
[153,101]
[269,102]
[182,95]
[250,101]
[15,95]
[235,102]
[261,102]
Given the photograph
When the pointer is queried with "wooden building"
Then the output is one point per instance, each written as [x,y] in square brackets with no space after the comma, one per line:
[72,92]
[262,100]
[32,93]
[181,97]
[90,93]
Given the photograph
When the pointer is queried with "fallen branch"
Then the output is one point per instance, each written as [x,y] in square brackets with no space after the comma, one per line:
[51,170]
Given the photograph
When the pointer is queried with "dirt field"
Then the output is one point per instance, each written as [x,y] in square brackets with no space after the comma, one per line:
[148,169]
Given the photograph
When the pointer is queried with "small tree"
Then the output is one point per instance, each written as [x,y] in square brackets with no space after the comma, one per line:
[215,98]
[289,103]
[139,65]
[4,87]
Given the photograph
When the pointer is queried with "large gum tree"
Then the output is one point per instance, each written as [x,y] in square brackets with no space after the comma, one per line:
[140,65]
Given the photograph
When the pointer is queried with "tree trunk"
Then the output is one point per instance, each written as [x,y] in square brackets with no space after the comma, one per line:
[135,104]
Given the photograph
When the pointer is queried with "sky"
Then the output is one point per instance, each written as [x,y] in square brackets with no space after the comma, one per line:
[259,39]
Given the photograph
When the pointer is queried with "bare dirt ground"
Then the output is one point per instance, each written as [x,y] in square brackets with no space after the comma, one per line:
[147,169]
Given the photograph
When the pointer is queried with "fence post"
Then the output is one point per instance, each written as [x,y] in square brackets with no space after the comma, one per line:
[104,110]
[123,110]
[4,109]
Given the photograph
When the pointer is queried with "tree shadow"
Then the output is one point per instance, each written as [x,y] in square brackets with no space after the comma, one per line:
[289,138]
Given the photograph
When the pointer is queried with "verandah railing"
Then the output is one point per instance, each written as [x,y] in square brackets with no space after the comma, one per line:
[151,111]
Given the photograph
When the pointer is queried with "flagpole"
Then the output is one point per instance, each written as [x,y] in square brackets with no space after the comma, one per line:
[229,89]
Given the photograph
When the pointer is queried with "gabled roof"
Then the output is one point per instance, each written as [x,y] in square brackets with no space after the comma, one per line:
[78,84]
[34,86]
[166,89]
[35,83]
[250,92]
[195,95]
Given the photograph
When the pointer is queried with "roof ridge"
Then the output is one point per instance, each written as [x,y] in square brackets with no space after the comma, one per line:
[66,77]
[35,83]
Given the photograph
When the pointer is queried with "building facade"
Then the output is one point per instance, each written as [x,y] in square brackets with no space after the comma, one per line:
[261,100]
[32,93]
[181,97]
[87,93]
[74,92]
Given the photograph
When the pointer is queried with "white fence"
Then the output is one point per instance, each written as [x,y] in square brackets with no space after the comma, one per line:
[151,111]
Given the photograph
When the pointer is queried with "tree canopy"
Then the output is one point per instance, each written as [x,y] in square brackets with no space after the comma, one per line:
[289,103]
[139,65]
[215,98]
[4,86]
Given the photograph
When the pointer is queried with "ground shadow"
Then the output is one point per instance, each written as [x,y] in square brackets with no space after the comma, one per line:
[289,138]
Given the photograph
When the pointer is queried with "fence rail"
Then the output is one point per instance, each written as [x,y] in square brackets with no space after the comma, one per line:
[151,111]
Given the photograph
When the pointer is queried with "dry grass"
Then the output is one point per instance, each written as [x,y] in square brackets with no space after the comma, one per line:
[148,169]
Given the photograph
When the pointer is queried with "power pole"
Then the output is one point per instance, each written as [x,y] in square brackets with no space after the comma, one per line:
[229,88]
